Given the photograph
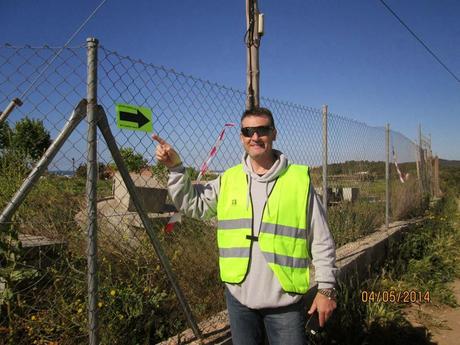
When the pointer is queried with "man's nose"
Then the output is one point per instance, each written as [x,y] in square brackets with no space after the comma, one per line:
[255,136]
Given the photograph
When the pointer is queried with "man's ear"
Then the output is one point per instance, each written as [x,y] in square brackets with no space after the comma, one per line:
[242,138]
[274,134]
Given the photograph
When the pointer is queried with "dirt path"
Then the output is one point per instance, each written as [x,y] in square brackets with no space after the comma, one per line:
[443,322]
[451,318]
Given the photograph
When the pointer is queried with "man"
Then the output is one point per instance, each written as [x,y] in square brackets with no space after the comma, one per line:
[270,225]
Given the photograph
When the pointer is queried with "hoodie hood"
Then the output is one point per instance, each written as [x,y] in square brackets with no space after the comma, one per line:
[277,168]
[272,174]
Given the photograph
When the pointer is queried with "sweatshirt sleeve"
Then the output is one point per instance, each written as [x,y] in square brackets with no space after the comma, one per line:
[196,201]
[322,246]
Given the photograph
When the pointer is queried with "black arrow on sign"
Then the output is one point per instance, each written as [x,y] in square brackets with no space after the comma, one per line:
[138,118]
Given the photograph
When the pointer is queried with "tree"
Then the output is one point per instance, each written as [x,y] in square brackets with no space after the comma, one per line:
[5,135]
[30,137]
[134,161]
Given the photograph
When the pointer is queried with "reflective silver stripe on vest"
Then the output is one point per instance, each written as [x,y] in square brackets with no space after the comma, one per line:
[286,260]
[283,230]
[234,252]
[231,224]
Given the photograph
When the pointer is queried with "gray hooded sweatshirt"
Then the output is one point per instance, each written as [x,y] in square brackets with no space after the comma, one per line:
[261,288]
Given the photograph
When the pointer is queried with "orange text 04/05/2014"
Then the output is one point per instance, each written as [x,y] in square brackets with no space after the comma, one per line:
[395,296]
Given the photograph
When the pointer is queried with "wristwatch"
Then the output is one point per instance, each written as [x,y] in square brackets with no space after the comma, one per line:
[330,293]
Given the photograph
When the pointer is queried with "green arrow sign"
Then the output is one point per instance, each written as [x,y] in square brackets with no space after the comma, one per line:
[134,117]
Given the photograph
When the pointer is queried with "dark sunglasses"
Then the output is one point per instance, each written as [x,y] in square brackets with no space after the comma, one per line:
[261,131]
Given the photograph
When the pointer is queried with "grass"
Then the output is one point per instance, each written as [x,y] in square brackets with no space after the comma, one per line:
[137,304]
[429,257]
[426,259]
[406,200]
[351,221]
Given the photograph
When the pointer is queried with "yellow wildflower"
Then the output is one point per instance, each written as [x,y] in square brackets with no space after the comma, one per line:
[112,292]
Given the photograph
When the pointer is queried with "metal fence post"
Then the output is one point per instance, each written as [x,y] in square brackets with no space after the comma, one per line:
[422,165]
[436,176]
[430,168]
[417,163]
[75,118]
[112,145]
[91,190]
[13,104]
[387,176]
[325,158]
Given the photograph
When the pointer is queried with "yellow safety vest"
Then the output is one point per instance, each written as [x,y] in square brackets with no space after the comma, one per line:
[282,237]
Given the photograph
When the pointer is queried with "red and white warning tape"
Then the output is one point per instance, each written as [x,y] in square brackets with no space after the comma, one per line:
[401,177]
[204,167]
[213,152]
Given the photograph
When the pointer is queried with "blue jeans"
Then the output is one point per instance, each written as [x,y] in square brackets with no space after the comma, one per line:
[283,326]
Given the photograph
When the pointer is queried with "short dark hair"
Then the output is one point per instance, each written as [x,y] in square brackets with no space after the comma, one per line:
[259,112]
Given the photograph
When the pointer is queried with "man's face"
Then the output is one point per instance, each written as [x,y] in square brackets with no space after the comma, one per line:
[258,146]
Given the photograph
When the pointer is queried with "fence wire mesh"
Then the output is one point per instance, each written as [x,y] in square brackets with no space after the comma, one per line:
[405,194]
[356,178]
[43,281]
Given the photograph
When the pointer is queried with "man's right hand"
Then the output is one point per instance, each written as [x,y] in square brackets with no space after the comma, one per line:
[165,153]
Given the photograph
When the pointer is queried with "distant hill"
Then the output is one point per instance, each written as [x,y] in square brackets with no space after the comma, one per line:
[449,163]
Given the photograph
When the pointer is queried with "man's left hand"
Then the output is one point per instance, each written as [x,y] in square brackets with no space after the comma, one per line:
[324,306]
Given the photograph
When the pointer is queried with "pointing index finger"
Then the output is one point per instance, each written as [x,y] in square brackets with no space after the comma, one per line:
[157,138]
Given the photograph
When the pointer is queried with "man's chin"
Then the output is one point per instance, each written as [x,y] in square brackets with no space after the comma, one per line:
[257,154]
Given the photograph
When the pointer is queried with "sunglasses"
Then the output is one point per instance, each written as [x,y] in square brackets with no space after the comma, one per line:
[261,131]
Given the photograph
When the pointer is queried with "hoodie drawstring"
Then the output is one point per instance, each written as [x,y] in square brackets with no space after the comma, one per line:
[266,198]
[248,195]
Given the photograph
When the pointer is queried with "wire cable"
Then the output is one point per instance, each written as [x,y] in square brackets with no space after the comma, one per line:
[420,41]
[48,64]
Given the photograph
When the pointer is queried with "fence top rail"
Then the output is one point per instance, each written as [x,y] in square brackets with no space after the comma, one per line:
[45,46]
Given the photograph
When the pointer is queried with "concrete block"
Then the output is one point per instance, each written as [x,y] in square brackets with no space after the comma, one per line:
[350,194]
[39,251]
[334,194]
[152,193]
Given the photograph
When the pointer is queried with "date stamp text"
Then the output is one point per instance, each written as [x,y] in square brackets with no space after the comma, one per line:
[395,296]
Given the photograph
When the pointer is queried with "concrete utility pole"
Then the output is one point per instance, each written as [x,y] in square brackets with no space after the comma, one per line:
[255,30]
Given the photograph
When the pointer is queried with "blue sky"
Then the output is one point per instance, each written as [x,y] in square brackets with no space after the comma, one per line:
[352,55]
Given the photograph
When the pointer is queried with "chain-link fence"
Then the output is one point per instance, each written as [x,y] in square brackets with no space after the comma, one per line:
[43,281]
